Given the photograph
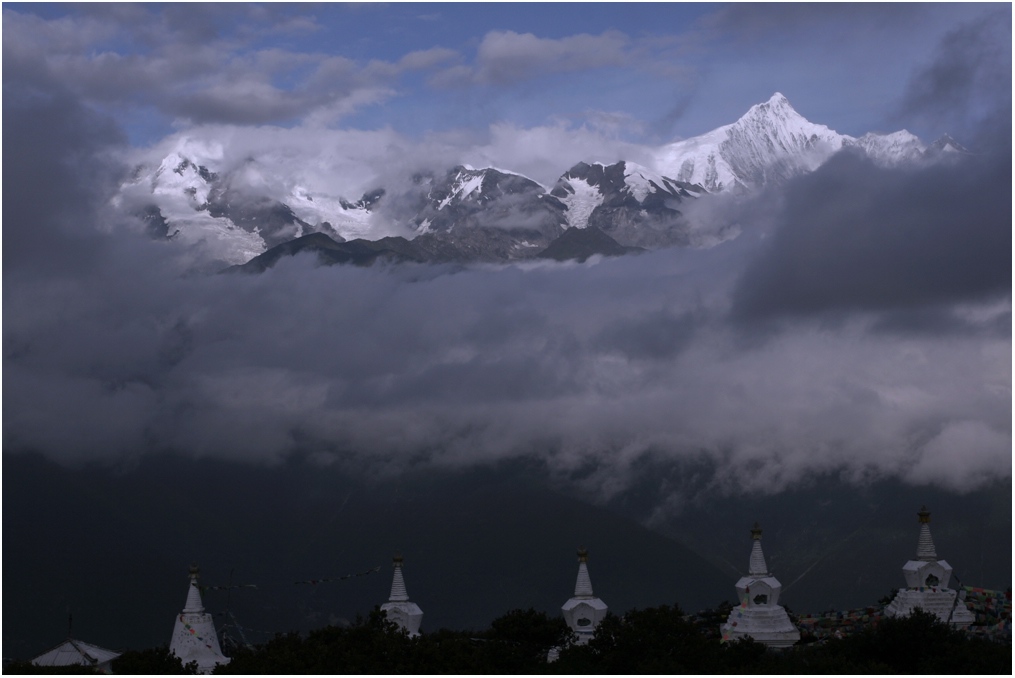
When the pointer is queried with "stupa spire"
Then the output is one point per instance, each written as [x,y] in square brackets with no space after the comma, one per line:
[194,637]
[398,592]
[757,564]
[584,610]
[925,545]
[399,609]
[583,585]
[194,604]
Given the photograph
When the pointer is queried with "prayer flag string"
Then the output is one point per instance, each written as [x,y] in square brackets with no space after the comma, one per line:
[305,581]
[314,582]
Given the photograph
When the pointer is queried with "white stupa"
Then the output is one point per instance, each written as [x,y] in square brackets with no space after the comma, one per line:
[399,609]
[583,611]
[759,614]
[927,581]
[78,653]
[194,637]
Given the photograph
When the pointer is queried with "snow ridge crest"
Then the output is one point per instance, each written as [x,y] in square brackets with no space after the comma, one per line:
[769,144]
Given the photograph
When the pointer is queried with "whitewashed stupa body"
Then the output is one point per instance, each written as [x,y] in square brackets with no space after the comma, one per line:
[759,614]
[399,609]
[194,636]
[584,610]
[927,580]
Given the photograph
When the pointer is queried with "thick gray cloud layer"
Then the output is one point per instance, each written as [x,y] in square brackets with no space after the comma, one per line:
[960,87]
[856,237]
[58,169]
[599,370]
[860,324]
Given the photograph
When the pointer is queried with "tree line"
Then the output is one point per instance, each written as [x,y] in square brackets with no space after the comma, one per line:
[654,640]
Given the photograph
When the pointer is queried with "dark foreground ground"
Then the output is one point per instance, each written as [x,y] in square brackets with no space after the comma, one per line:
[657,640]
[112,546]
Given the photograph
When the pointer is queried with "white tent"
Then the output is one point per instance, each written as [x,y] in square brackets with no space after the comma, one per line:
[71,652]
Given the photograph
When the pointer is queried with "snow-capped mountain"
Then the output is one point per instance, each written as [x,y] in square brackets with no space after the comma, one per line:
[237,212]
[172,199]
[946,145]
[889,150]
[769,144]
[489,214]
[231,213]
[630,203]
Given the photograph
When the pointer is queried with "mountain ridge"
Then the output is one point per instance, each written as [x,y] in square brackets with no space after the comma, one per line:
[497,215]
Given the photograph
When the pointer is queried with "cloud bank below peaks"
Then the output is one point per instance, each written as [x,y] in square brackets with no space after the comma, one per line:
[604,366]
[600,372]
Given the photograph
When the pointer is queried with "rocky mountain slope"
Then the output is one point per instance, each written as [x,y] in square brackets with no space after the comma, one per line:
[574,243]
[581,243]
[486,214]
[630,203]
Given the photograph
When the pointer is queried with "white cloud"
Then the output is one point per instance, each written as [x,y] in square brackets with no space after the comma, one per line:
[191,71]
[505,56]
[350,162]
[545,152]
[427,58]
[963,456]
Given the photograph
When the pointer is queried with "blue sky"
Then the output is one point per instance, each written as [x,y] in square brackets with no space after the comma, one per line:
[645,73]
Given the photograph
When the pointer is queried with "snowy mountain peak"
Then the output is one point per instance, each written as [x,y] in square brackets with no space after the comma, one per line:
[178,173]
[771,143]
[891,150]
[487,205]
[777,108]
[467,183]
[239,213]
[945,144]
[238,209]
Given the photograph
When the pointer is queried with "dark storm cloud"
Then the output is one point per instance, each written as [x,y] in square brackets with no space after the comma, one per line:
[111,351]
[969,76]
[941,322]
[654,336]
[857,237]
[56,153]
[753,23]
[663,127]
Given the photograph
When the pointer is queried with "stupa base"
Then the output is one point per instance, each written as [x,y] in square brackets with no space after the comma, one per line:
[939,602]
